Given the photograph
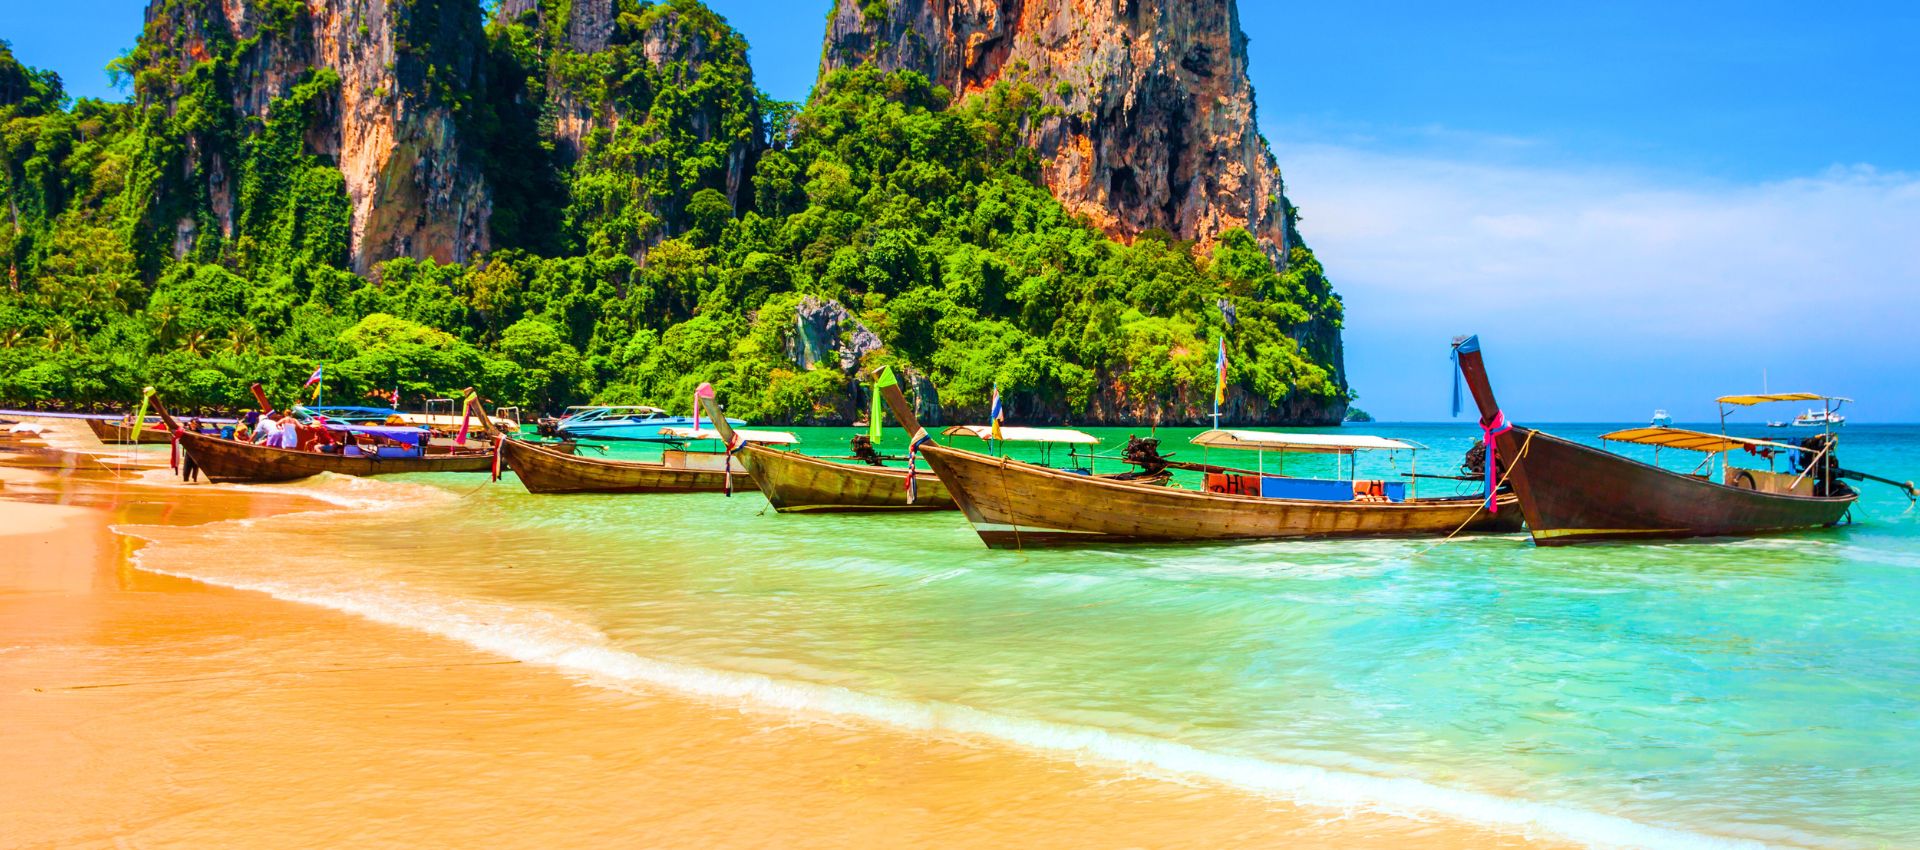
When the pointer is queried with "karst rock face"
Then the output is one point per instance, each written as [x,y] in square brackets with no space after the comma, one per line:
[590,103]
[1154,126]
[413,182]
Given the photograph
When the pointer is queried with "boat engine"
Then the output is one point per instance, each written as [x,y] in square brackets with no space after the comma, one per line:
[1819,454]
[1475,463]
[1145,452]
[863,449]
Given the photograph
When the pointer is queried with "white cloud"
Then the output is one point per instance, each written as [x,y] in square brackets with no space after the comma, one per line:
[1571,264]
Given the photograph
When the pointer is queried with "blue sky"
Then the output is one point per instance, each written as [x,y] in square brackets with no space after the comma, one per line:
[1636,204]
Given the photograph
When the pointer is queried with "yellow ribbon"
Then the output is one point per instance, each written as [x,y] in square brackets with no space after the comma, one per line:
[140,418]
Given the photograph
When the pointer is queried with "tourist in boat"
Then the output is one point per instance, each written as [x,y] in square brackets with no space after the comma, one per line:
[267,432]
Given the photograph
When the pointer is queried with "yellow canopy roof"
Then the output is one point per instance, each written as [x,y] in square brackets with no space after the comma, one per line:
[746,436]
[1693,441]
[1763,398]
[1012,434]
[1271,441]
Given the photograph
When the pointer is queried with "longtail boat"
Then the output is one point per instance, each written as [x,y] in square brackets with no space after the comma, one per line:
[1012,504]
[1571,493]
[794,482]
[121,433]
[227,461]
[543,470]
[799,483]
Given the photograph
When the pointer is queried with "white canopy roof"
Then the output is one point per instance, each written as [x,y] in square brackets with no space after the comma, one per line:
[773,437]
[1012,434]
[1326,443]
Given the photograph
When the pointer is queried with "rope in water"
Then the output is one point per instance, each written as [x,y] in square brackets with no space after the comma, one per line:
[1482,504]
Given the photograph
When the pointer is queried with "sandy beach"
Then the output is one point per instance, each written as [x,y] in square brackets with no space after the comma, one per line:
[148,711]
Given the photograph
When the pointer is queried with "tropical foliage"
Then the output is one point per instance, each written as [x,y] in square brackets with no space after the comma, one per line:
[681,240]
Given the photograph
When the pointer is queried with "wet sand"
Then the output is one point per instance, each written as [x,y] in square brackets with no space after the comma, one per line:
[147,711]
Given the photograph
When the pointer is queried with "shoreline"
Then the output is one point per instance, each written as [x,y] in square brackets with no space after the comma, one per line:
[170,711]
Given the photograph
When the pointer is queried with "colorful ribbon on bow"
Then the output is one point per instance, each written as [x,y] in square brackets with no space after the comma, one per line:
[499,443]
[732,443]
[140,418]
[1490,429]
[913,452]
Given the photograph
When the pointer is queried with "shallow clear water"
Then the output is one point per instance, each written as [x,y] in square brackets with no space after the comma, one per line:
[1680,694]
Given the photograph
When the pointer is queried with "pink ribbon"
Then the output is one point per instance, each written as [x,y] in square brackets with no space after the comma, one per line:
[1490,429]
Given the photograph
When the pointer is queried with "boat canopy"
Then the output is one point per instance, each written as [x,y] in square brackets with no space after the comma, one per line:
[1693,441]
[1012,434]
[769,437]
[1322,443]
[636,408]
[1764,398]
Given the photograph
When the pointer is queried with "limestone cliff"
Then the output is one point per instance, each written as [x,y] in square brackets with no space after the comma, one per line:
[606,65]
[1152,119]
[1148,122]
[219,68]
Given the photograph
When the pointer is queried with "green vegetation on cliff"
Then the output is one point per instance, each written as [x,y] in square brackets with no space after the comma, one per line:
[655,221]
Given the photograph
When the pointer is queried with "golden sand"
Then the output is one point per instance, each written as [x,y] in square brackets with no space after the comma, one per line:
[147,711]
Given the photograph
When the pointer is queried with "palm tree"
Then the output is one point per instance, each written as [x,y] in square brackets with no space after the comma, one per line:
[243,338]
[195,343]
[57,334]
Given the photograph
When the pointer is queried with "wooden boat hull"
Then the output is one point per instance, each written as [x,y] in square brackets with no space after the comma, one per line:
[1013,504]
[796,483]
[231,461]
[114,433]
[543,470]
[1572,493]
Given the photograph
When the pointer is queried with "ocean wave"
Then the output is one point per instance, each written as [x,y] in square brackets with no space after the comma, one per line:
[555,639]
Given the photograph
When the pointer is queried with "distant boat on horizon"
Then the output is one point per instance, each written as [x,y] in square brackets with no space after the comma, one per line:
[1661,419]
[1818,419]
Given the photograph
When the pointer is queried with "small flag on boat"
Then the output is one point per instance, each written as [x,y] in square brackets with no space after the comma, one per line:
[996,416]
[704,391]
[315,381]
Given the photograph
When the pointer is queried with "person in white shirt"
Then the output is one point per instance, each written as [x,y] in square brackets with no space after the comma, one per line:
[267,433]
[289,432]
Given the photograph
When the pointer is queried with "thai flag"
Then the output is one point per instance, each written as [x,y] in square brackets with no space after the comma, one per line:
[313,378]
[997,415]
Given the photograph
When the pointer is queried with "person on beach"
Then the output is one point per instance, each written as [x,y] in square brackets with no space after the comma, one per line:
[190,471]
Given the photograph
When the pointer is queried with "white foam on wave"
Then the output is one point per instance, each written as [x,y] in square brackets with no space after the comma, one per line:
[542,637]
[341,491]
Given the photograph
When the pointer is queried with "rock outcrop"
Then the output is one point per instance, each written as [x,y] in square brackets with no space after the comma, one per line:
[412,176]
[604,71]
[1152,116]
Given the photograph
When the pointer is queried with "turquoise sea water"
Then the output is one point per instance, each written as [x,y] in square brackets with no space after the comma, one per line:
[1686,694]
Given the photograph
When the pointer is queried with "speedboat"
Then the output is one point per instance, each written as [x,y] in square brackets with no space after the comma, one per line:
[1661,419]
[623,422]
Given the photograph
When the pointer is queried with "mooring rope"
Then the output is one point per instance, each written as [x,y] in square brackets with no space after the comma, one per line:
[1482,503]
